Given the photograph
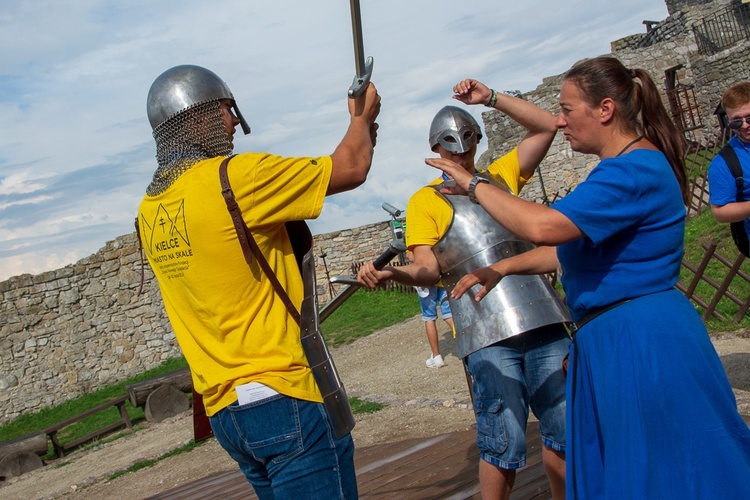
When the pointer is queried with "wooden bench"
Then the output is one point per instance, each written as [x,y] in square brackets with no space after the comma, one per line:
[60,449]
[163,396]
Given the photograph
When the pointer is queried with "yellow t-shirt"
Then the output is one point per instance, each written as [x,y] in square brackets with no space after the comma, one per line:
[230,324]
[428,215]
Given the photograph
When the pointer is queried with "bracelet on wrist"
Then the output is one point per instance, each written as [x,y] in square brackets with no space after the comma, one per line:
[493,99]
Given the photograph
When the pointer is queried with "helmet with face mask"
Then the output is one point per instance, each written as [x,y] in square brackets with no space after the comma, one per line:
[454,129]
[184,109]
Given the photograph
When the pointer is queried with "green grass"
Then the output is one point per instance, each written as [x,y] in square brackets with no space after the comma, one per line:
[366,312]
[360,407]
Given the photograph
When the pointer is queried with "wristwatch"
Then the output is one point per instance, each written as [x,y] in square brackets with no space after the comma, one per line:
[472,187]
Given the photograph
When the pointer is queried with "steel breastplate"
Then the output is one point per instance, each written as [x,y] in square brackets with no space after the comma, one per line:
[516,305]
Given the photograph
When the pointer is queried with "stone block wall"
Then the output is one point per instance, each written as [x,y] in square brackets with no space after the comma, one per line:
[563,169]
[67,332]
[674,6]
[344,248]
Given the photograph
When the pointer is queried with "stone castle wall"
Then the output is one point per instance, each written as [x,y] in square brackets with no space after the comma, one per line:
[709,75]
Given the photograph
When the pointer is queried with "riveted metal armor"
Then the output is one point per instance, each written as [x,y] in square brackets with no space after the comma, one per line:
[516,305]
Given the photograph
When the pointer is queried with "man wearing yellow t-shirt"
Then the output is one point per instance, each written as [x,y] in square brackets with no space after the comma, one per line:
[524,370]
[240,341]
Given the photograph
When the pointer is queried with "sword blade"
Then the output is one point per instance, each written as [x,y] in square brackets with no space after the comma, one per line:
[362,66]
[359,49]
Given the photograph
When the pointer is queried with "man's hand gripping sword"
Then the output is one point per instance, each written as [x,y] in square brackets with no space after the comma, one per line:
[363,67]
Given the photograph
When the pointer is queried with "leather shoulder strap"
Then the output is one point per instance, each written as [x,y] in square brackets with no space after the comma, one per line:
[730,156]
[247,242]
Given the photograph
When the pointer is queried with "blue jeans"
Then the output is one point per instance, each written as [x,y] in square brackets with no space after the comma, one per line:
[287,449]
[429,304]
[508,377]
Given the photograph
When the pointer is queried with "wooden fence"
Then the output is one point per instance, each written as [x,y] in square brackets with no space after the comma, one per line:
[721,289]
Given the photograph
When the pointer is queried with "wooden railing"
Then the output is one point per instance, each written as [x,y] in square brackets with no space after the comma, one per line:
[722,289]
[61,448]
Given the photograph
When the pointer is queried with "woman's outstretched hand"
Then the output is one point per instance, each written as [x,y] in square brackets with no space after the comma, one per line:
[488,277]
[455,172]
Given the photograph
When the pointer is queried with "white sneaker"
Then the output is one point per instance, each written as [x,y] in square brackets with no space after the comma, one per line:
[435,361]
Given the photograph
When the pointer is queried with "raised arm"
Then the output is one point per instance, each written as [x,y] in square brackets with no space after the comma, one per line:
[539,123]
[353,156]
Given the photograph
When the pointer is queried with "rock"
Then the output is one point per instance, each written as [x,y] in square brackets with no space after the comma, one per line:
[164,402]
[19,463]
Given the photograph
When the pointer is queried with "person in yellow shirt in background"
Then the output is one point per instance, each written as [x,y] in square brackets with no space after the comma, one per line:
[512,367]
[241,343]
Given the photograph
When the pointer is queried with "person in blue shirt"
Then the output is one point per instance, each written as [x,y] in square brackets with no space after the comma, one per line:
[722,185]
[651,413]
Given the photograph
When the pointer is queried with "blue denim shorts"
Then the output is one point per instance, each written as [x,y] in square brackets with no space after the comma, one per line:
[429,304]
[511,376]
[287,449]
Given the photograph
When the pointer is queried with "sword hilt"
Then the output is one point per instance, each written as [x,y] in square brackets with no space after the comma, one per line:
[360,82]
[396,247]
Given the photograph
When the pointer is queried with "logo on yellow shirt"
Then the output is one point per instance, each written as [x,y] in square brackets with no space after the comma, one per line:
[166,237]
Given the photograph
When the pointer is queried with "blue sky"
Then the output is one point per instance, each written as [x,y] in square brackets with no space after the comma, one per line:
[76,152]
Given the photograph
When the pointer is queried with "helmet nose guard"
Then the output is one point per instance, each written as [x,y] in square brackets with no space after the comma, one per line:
[454,129]
[182,87]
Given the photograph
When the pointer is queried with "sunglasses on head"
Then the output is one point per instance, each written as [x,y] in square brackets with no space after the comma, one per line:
[737,123]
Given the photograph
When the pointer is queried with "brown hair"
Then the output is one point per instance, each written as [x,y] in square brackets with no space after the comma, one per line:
[736,96]
[638,107]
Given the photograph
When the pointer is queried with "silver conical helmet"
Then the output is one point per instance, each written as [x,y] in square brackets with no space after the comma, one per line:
[454,129]
[184,109]
[185,86]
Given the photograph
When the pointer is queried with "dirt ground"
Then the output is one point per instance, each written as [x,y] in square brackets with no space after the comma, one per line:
[387,367]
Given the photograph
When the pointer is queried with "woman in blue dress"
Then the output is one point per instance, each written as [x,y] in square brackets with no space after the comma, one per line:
[651,413]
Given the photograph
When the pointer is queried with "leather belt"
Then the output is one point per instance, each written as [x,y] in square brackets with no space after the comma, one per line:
[591,315]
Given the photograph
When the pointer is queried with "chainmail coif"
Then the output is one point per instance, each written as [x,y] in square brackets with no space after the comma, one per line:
[186,138]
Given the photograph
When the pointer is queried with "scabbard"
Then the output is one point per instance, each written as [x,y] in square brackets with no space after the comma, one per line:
[321,363]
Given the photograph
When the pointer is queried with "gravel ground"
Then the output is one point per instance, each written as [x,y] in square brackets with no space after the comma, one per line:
[386,367]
